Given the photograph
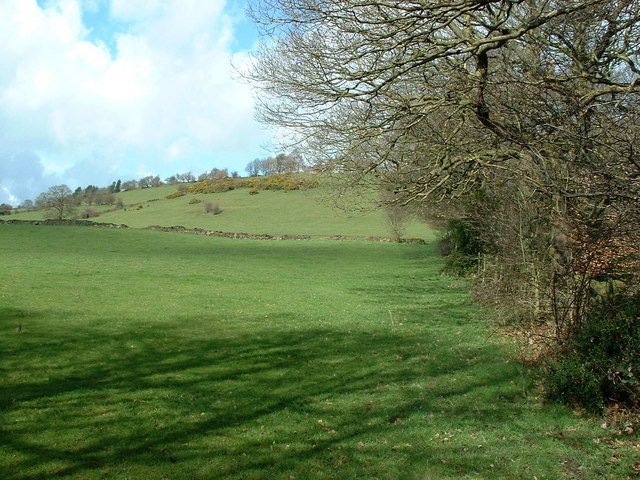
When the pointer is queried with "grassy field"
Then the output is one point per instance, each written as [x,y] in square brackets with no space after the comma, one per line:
[307,212]
[149,355]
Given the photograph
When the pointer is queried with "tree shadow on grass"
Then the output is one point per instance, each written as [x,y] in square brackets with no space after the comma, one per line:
[190,399]
[13,317]
[276,402]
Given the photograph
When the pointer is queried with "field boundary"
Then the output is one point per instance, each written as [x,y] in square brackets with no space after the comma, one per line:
[211,233]
[266,236]
[66,222]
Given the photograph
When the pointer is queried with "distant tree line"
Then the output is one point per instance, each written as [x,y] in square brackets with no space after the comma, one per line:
[93,195]
[281,163]
[61,201]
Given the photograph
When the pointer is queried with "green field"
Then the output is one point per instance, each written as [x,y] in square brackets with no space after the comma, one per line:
[150,355]
[309,212]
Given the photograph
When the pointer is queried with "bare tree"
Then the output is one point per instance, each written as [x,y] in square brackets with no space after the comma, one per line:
[253,167]
[396,213]
[149,181]
[442,92]
[129,185]
[58,199]
[27,204]
[525,111]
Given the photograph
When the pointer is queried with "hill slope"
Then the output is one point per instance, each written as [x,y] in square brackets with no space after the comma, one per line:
[307,212]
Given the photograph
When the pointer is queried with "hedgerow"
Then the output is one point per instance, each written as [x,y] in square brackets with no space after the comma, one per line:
[279,181]
[178,194]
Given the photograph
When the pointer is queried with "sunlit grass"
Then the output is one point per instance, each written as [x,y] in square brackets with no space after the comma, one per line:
[309,212]
[148,355]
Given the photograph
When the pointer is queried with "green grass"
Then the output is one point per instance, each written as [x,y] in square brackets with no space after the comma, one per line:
[149,355]
[307,212]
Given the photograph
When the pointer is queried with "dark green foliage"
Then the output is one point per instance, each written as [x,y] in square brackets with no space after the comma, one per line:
[462,247]
[571,381]
[601,364]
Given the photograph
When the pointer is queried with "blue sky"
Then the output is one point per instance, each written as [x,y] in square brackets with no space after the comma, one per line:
[92,91]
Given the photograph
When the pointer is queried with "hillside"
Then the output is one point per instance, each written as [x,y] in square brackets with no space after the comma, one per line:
[307,212]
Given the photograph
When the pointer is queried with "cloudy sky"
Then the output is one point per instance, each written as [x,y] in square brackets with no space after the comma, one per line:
[92,91]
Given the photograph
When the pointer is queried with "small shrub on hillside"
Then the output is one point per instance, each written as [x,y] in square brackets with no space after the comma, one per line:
[212,208]
[193,201]
[119,204]
[89,213]
[178,194]
[254,191]
[601,364]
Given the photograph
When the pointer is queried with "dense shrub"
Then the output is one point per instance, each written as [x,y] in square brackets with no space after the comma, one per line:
[215,186]
[601,364]
[193,201]
[283,181]
[177,194]
[462,247]
[88,213]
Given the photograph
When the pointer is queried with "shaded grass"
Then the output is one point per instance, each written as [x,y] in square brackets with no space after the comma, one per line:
[151,355]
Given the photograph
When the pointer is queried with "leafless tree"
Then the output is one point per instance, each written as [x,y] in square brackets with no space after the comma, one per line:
[58,199]
[533,104]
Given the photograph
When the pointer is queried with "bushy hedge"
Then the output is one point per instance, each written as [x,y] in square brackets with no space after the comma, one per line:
[601,364]
[216,186]
[280,181]
[462,247]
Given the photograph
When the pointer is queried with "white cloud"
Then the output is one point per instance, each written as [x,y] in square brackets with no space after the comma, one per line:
[164,100]
[12,199]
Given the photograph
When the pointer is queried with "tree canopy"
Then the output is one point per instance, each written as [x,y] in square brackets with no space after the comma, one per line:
[58,199]
[519,118]
[443,91]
